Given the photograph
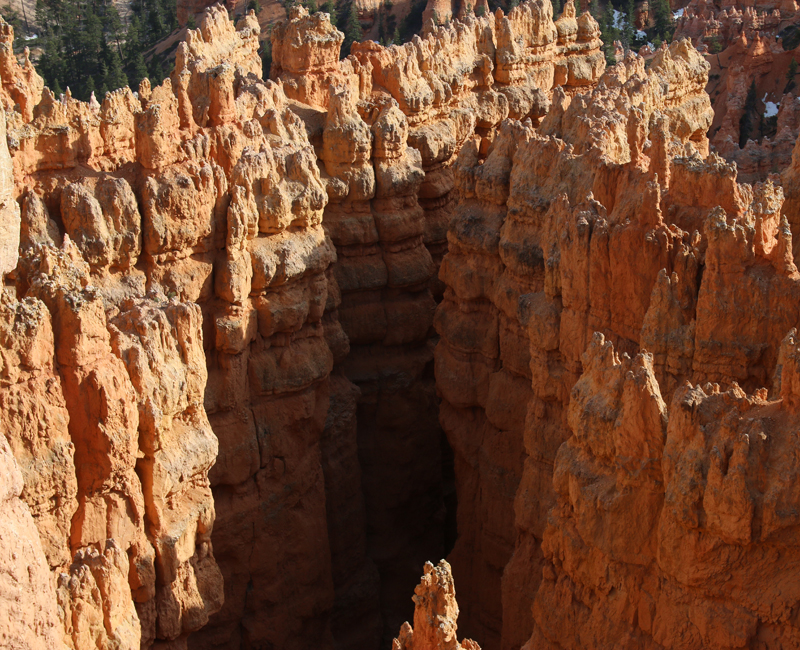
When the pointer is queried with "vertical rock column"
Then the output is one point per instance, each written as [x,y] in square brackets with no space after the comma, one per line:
[268,392]
[383,272]
[483,376]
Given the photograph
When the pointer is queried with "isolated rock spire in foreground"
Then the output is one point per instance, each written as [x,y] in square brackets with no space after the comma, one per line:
[435,614]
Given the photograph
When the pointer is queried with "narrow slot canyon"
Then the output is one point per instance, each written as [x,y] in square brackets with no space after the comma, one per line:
[271,341]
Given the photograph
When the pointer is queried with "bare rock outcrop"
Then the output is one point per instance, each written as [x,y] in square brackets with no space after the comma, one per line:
[387,124]
[598,221]
[28,609]
[435,614]
[697,487]
[165,354]
[225,378]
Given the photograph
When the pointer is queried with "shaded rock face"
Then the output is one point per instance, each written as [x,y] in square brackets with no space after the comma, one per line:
[596,316]
[387,124]
[217,325]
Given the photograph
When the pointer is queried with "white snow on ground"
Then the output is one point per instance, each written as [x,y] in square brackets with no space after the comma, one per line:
[31,37]
[677,14]
[619,19]
[772,109]
[640,34]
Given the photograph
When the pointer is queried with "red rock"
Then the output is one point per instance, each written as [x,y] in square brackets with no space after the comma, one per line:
[435,614]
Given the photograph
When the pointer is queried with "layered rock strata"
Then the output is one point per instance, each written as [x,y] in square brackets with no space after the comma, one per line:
[219,319]
[744,45]
[522,300]
[706,21]
[165,317]
[387,124]
[594,233]
[760,142]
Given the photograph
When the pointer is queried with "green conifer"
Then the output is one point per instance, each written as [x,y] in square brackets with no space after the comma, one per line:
[329,7]
[664,22]
[352,30]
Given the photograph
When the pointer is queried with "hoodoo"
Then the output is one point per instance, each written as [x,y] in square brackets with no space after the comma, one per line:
[272,342]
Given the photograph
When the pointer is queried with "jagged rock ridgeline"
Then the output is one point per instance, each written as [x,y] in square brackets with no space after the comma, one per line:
[173,319]
[596,228]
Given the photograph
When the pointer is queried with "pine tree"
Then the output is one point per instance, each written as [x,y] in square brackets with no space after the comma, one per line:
[115,78]
[329,7]
[156,71]
[663,20]
[608,33]
[745,122]
[790,74]
[89,87]
[138,70]
[85,43]
[352,30]
[627,30]
[156,23]
[133,40]
[266,57]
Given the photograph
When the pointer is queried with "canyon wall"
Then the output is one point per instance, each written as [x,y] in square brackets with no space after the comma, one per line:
[163,337]
[750,47]
[250,326]
[595,237]
[198,371]
[387,124]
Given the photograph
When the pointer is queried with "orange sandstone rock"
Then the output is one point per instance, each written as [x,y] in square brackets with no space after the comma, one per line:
[435,614]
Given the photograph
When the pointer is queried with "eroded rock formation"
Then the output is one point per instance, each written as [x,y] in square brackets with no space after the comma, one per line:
[597,221]
[435,614]
[387,124]
[240,315]
[181,310]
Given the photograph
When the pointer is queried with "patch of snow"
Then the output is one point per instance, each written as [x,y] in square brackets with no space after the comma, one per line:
[772,109]
[619,19]
[677,14]
[652,47]
[31,37]
[640,34]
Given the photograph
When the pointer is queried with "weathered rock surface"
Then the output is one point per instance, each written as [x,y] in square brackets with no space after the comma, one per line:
[435,614]
[596,227]
[749,46]
[182,310]
[225,380]
[387,124]
[28,608]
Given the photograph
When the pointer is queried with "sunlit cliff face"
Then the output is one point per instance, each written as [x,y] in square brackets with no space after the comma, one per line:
[268,346]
